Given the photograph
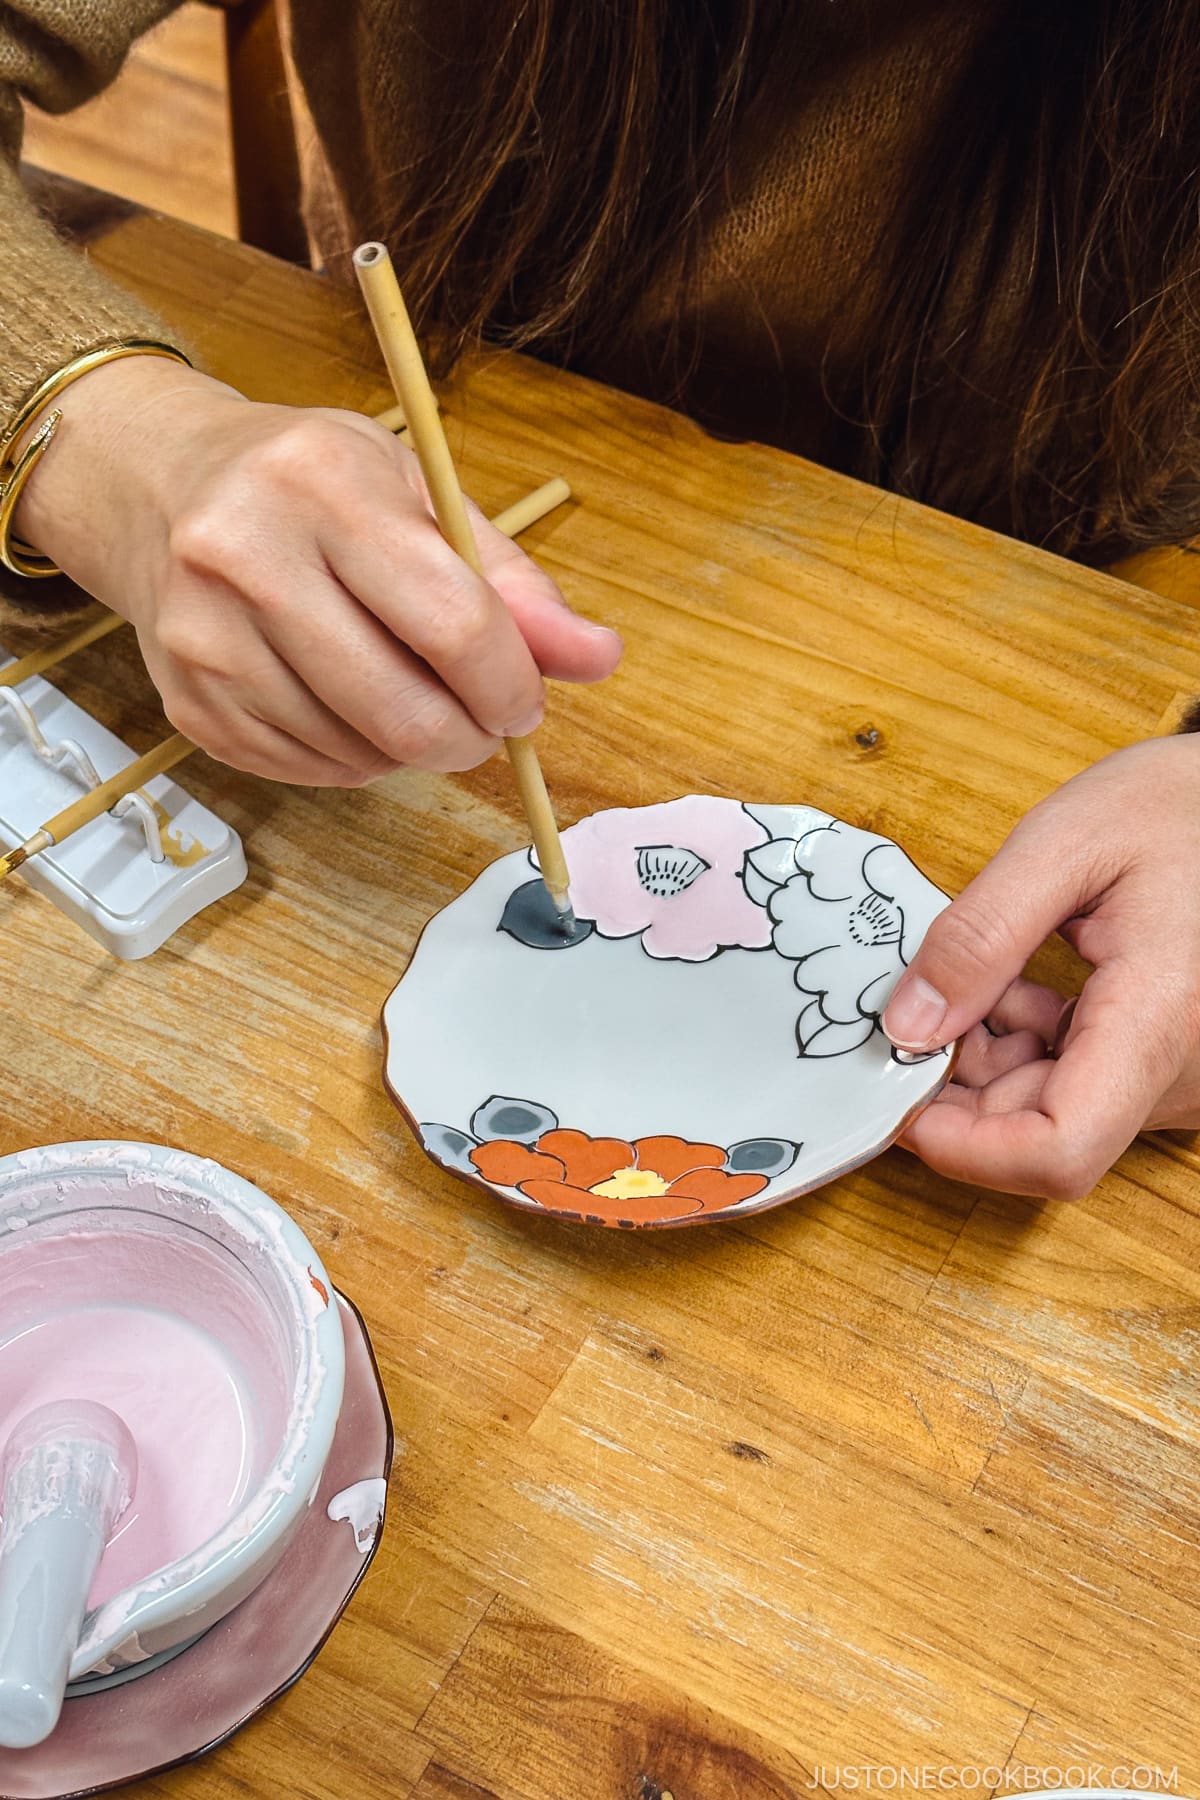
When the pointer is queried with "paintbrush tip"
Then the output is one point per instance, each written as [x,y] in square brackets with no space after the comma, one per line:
[565,912]
[13,861]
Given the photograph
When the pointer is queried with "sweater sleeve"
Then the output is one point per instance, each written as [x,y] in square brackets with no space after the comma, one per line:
[55,54]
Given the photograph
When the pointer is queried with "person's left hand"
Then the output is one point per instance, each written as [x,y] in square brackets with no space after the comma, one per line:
[1049,1092]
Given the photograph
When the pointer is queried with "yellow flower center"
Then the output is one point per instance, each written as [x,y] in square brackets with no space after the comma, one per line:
[631,1184]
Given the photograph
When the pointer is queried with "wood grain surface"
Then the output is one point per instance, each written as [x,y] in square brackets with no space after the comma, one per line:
[899,1478]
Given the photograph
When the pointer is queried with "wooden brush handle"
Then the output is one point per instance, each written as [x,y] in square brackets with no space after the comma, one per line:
[406,366]
[542,825]
[523,513]
[38,661]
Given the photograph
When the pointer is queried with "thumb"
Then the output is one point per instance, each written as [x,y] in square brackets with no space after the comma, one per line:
[977,947]
[565,645]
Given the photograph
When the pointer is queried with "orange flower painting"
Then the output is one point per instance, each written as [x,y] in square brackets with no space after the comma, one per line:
[616,1182]
[518,1147]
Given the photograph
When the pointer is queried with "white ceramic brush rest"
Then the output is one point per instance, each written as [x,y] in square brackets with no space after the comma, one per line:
[118,877]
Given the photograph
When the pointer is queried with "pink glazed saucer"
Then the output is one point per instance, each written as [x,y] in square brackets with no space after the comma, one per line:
[198,1700]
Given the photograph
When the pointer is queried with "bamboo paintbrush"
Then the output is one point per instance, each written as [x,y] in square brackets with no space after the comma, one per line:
[38,661]
[397,341]
[100,800]
[526,512]
[392,419]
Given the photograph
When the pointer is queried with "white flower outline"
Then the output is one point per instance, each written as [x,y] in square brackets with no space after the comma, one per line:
[831,892]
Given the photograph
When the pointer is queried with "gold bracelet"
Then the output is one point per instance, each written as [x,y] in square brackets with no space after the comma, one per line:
[20,558]
[23,559]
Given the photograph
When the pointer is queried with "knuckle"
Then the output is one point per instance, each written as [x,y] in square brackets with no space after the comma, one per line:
[362,773]
[190,716]
[516,577]
[185,715]
[464,753]
[969,938]
[1074,1175]
[291,456]
[241,745]
[458,618]
[199,541]
[176,638]
[221,540]
[189,641]
[460,634]
[418,733]
[433,734]
[184,641]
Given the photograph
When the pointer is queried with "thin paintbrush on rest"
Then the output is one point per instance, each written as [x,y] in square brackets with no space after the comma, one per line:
[100,800]
[397,341]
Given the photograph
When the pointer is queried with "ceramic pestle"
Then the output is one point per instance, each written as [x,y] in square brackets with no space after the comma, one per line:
[68,1474]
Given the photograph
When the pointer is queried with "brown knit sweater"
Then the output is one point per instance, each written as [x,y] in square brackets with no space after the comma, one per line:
[820,163]
[55,54]
[811,183]
[824,156]
[800,216]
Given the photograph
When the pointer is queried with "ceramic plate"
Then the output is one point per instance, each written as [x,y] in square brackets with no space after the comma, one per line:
[200,1699]
[707,1044]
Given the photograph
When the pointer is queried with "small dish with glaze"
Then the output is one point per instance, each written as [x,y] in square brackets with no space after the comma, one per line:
[91,1229]
[192,1704]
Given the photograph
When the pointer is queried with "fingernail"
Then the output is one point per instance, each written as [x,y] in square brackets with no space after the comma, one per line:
[599,631]
[528,725]
[913,1016]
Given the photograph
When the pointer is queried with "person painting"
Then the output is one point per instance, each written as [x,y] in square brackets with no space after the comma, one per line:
[950,246]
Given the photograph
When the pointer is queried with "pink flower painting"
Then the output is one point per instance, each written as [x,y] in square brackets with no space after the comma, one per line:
[671,874]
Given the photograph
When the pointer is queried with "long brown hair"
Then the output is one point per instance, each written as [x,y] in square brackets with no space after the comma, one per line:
[1031,356]
[1039,363]
[579,141]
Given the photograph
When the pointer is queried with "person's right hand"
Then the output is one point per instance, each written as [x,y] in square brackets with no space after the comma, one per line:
[296,605]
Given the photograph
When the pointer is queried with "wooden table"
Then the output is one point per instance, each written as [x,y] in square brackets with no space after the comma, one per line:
[904,1475]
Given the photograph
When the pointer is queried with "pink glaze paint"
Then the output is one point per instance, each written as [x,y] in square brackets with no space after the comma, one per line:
[186,1407]
[168,1330]
[670,874]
